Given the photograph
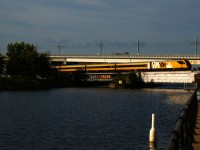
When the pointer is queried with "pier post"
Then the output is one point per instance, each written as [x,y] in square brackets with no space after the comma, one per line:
[152,133]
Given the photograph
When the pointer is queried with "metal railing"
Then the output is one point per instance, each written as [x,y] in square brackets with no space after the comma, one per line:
[125,56]
[181,137]
[134,56]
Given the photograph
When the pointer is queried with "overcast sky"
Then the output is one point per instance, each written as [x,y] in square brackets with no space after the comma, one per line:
[48,22]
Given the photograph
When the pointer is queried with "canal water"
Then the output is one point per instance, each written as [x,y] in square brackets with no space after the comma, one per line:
[87,118]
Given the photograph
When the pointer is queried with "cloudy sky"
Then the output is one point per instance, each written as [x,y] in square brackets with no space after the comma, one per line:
[77,22]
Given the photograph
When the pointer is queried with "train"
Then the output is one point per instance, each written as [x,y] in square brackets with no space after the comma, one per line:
[134,66]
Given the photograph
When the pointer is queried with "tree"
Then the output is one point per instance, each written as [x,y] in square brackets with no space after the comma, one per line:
[43,66]
[1,64]
[25,61]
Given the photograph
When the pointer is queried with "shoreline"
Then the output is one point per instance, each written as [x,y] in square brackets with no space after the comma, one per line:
[22,84]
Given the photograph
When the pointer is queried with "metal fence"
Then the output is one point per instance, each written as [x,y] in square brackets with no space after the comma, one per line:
[181,137]
[137,56]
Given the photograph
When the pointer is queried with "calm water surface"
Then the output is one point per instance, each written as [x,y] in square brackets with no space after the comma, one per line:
[87,118]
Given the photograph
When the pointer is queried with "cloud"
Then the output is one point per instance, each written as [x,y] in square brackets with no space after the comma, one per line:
[89,2]
[79,20]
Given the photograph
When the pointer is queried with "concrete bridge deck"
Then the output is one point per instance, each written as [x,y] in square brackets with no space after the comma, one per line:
[123,58]
[194,59]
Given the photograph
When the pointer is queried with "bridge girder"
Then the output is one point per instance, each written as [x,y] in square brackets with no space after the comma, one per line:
[193,59]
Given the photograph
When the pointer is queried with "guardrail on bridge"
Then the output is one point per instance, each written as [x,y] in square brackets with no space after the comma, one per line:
[146,56]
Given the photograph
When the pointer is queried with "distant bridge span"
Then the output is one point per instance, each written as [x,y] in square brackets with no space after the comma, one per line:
[122,58]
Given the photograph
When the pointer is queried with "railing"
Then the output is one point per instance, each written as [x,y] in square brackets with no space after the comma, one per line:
[182,135]
[121,56]
[135,56]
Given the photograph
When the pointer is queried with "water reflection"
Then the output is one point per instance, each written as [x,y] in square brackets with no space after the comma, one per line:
[174,96]
[152,146]
[179,99]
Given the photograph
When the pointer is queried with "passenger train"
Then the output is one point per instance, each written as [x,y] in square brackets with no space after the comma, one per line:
[140,66]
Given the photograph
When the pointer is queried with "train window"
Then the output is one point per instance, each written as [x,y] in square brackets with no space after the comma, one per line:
[181,62]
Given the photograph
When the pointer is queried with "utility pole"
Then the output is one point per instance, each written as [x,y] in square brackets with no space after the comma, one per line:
[36,46]
[59,48]
[138,47]
[101,47]
[196,43]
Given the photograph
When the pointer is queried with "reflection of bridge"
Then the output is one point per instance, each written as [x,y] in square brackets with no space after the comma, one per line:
[122,58]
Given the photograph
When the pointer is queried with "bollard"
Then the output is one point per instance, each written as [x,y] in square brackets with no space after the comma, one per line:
[152,133]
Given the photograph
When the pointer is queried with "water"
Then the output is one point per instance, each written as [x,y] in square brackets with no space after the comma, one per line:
[87,118]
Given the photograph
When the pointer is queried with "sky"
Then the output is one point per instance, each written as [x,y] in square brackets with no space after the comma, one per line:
[88,26]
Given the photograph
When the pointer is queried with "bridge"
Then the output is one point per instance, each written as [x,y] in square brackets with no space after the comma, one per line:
[147,77]
[124,58]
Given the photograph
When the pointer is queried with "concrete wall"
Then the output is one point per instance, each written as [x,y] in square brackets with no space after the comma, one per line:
[168,77]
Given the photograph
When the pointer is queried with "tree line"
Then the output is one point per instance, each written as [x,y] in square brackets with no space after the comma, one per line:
[25,61]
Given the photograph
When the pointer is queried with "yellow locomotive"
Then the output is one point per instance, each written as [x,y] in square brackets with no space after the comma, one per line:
[157,65]
[172,65]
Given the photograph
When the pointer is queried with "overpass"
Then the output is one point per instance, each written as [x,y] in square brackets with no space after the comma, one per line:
[147,77]
[124,58]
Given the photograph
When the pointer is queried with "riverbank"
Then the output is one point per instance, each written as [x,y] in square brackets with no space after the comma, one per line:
[18,84]
[15,84]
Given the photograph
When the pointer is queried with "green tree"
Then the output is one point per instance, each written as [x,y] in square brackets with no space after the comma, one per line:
[1,64]
[43,66]
[25,61]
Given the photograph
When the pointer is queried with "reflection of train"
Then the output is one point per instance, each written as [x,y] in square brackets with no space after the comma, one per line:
[158,65]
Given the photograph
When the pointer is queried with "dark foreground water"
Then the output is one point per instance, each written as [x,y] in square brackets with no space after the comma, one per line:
[87,118]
